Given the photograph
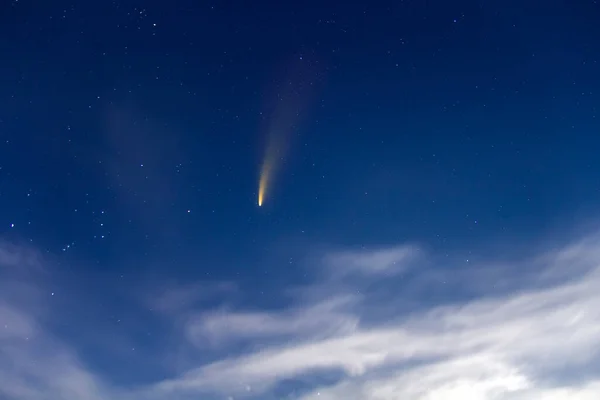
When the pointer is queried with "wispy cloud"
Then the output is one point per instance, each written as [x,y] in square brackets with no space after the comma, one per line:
[15,256]
[175,297]
[535,340]
[322,319]
[382,261]
[34,363]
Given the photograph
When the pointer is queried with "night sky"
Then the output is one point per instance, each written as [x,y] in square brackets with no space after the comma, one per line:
[429,225]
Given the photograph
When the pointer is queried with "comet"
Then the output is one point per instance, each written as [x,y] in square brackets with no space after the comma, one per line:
[262,184]
[267,169]
[276,148]
[279,128]
[288,103]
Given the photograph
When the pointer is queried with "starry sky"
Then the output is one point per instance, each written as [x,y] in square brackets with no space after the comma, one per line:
[428,230]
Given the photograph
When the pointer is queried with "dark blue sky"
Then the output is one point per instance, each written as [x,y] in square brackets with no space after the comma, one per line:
[132,136]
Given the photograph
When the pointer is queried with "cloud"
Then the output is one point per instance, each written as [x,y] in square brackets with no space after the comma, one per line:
[184,297]
[323,319]
[488,348]
[33,364]
[538,338]
[383,261]
[14,256]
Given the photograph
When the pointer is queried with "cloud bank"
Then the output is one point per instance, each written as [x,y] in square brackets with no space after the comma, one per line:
[389,332]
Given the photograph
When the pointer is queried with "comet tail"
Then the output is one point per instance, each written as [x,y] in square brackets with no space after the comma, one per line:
[264,180]
[291,98]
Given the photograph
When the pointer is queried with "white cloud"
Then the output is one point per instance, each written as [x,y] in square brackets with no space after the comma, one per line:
[488,348]
[381,261]
[470,378]
[510,345]
[33,365]
[185,297]
[15,256]
[223,327]
[14,324]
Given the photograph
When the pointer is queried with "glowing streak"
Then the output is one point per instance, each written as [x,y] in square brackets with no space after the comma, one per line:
[265,174]
[292,97]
